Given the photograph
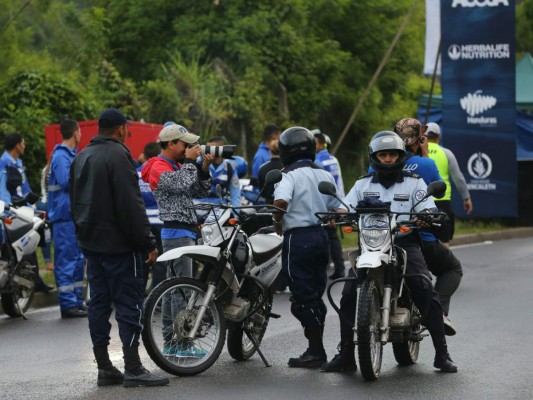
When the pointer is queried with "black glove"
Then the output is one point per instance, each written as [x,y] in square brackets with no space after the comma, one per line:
[373,202]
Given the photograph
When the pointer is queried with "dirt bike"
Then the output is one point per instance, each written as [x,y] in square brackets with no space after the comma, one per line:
[21,231]
[186,319]
[385,310]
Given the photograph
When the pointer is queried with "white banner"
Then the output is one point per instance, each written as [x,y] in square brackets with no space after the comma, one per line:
[432,36]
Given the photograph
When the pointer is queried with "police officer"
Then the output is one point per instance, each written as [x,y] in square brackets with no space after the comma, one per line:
[305,252]
[391,184]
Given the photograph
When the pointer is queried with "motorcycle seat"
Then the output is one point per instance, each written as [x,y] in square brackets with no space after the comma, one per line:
[265,247]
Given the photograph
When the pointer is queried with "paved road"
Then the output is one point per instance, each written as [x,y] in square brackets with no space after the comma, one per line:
[49,358]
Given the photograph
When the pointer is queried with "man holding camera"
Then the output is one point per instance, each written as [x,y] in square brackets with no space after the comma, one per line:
[175,183]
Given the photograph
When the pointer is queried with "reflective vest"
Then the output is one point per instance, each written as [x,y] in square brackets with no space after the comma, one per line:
[439,156]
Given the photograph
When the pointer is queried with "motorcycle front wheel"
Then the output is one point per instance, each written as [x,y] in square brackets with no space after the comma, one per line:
[369,347]
[240,347]
[17,300]
[170,313]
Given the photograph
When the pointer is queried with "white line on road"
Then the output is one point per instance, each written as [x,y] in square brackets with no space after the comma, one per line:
[462,246]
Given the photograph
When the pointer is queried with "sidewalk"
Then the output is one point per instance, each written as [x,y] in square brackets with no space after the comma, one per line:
[50,299]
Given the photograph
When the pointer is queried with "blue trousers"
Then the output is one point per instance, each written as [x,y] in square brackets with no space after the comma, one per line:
[117,281]
[69,263]
[305,259]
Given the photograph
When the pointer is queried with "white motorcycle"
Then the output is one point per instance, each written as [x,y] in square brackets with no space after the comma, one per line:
[385,310]
[186,319]
[21,231]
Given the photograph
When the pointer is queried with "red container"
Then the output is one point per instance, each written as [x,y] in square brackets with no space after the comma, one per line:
[140,134]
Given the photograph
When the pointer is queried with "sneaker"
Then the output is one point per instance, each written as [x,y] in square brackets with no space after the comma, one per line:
[449,329]
[142,377]
[109,376]
[169,350]
[74,313]
[191,351]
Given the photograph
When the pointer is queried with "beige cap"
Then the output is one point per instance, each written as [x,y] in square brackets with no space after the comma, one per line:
[173,132]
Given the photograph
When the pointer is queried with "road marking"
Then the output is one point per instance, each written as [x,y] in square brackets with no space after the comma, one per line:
[462,246]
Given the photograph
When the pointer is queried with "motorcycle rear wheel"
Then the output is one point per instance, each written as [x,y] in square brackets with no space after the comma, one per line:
[406,353]
[167,320]
[240,347]
[18,300]
[369,347]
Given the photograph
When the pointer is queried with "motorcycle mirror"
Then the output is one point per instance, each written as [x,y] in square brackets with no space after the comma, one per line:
[328,188]
[31,198]
[271,178]
[436,189]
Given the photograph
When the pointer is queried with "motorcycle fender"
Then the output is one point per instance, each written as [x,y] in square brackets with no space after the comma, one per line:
[200,252]
[372,259]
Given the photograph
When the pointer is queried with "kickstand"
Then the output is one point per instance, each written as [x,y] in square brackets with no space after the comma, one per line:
[254,342]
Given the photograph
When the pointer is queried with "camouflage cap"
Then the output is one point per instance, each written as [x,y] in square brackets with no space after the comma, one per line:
[408,129]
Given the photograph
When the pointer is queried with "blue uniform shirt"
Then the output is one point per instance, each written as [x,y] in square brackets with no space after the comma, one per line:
[230,184]
[150,203]
[23,189]
[261,156]
[331,164]
[58,189]
[299,188]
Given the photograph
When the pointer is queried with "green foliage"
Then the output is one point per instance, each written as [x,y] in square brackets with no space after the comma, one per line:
[524,27]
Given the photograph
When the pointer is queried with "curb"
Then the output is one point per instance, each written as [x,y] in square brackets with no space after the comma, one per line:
[41,300]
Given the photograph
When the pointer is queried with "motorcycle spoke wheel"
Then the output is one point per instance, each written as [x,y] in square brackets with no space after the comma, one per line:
[18,300]
[240,347]
[369,347]
[168,318]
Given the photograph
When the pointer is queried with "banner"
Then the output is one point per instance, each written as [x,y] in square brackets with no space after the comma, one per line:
[479,112]
[432,37]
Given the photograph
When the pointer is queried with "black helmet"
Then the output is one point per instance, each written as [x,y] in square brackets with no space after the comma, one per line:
[296,143]
[383,141]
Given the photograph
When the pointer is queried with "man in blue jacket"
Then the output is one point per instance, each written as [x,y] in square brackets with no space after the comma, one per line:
[68,257]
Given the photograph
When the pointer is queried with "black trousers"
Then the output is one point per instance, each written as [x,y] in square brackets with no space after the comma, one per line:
[420,289]
[335,250]
[305,259]
[446,267]
[445,235]
[115,281]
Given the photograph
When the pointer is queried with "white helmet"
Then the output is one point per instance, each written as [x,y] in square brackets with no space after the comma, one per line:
[433,130]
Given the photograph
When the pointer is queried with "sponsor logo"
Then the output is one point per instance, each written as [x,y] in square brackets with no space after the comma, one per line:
[479,51]
[401,197]
[411,167]
[474,104]
[376,221]
[370,194]
[479,165]
[419,195]
[480,3]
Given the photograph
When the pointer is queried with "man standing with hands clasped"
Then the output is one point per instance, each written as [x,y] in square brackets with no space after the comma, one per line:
[114,234]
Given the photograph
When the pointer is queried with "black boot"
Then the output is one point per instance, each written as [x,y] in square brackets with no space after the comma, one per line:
[315,355]
[134,372]
[107,373]
[443,361]
[344,361]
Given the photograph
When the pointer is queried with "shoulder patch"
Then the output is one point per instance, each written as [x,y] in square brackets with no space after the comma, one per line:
[411,174]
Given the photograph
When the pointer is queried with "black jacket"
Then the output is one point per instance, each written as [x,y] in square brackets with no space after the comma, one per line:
[106,201]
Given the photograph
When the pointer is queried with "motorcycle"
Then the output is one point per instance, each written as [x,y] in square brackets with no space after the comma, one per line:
[385,310]
[186,319]
[22,229]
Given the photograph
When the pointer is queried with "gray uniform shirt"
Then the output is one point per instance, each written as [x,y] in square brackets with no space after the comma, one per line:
[402,195]
[456,174]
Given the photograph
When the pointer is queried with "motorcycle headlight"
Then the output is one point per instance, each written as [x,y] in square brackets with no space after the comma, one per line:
[374,237]
[207,233]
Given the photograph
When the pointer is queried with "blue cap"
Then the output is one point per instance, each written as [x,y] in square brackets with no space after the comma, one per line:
[168,123]
[112,117]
